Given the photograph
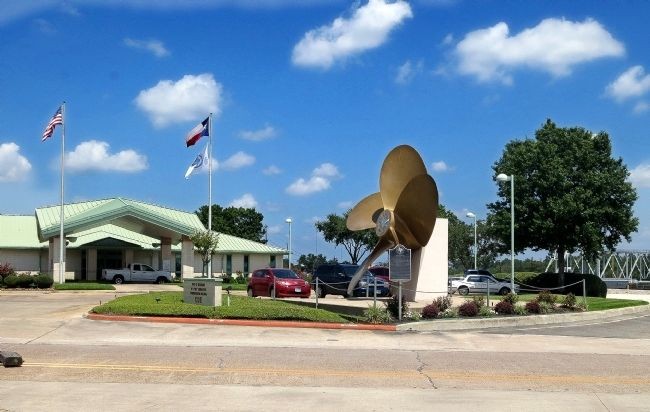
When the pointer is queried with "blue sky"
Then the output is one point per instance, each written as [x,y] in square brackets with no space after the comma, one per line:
[309,97]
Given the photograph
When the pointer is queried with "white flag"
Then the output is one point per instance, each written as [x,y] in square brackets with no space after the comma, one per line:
[201,161]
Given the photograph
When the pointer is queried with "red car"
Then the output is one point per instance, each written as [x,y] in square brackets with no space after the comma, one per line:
[285,281]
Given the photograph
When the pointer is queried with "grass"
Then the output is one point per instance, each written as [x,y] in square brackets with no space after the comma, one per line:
[241,307]
[593,303]
[83,285]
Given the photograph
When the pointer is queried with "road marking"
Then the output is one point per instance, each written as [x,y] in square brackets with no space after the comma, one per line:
[434,374]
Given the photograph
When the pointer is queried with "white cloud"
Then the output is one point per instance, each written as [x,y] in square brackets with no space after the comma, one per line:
[44,26]
[407,71]
[345,205]
[554,46]
[236,161]
[440,166]
[267,132]
[640,175]
[272,170]
[641,107]
[94,155]
[367,28]
[320,180]
[187,99]
[449,39]
[13,166]
[632,83]
[326,170]
[156,47]
[247,201]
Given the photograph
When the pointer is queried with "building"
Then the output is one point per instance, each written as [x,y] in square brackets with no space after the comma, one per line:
[110,233]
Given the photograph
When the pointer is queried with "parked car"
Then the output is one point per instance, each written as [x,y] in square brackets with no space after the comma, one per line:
[136,272]
[478,284]
[285,281]
[334,279]
[381,272]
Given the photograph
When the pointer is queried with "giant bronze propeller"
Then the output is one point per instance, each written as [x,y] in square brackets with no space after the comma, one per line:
[402,212]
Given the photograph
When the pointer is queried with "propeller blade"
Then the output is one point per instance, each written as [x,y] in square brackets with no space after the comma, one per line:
[401,165]
[384,244]
[417,209]
[364,214]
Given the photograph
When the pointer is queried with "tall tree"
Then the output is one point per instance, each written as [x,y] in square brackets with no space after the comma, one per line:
[310,261]
[461,242]
[236,221]
[356,243]
[570,193]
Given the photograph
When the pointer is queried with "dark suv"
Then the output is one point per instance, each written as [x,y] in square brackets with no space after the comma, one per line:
[334,279]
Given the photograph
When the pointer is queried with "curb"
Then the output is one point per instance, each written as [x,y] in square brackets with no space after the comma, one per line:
[243,322]
[516,321]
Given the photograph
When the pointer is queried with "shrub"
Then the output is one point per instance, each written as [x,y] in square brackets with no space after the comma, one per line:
[43,281]
[504,308]
[6,270]
[511,298]
[392,306]
[443,302]
[376,315]
[485,311]
[546,307]
[546,296]
[468,309]
[569,301]
[533,307]
[595,286]
[11,281]
[25,281]
[449,313]
[520,310]
[479,300]
[430,311]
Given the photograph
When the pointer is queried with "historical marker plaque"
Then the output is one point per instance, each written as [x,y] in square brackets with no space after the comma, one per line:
[399,263]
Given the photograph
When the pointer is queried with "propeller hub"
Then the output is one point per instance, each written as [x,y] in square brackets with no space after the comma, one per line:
[384,221]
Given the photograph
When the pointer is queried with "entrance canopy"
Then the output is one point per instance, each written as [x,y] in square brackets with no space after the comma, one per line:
[145,219]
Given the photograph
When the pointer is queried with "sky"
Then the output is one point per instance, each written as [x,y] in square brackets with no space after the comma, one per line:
[308,97]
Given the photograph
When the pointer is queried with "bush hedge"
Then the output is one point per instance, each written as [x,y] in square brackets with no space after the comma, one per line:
[548,280]
[11,281]
[43,281]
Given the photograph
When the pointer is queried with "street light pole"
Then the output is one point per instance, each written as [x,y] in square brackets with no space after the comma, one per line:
[505,178]
[473,216]
[288,220]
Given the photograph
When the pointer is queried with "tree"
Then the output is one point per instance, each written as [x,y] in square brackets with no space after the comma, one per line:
[310,262]
[356,243]
[570,194]
[461,242]
[206,243]
[242,222]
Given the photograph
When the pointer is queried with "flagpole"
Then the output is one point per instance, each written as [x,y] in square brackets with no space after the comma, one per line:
[61,216]
[210,187]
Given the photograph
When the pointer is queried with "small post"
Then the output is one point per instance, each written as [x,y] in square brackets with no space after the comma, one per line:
[316,293]
[374,294]
[584,293]
[488,292]
[399,299]
[273,294]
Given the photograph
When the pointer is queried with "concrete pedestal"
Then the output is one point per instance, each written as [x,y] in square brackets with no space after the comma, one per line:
[429,267]
[202,291]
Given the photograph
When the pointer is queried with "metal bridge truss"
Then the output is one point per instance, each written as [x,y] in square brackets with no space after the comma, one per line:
[619,264]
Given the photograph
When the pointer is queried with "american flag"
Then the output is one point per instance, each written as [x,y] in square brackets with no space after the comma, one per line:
[56,120]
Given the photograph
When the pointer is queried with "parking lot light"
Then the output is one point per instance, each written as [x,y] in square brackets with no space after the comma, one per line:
[502,177]
[473,216]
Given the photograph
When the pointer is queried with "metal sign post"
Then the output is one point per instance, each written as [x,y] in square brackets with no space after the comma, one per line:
[399,266]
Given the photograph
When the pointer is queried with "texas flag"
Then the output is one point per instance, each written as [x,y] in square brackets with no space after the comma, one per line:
[198,132]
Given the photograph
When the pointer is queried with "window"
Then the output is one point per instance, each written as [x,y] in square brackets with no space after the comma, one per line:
[272,262]
[246,270]
[228,264]
[474,279]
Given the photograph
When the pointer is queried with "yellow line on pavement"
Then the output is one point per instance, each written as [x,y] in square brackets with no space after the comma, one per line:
[406,374]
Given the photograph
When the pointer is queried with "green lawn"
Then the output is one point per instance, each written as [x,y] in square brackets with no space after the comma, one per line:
[594,304]
[241,307]
[84,285]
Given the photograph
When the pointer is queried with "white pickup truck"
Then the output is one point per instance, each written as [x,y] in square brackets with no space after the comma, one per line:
[478,284]
[136,272]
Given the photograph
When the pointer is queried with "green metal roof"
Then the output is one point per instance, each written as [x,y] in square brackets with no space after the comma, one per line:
[19,232]
[85,215]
